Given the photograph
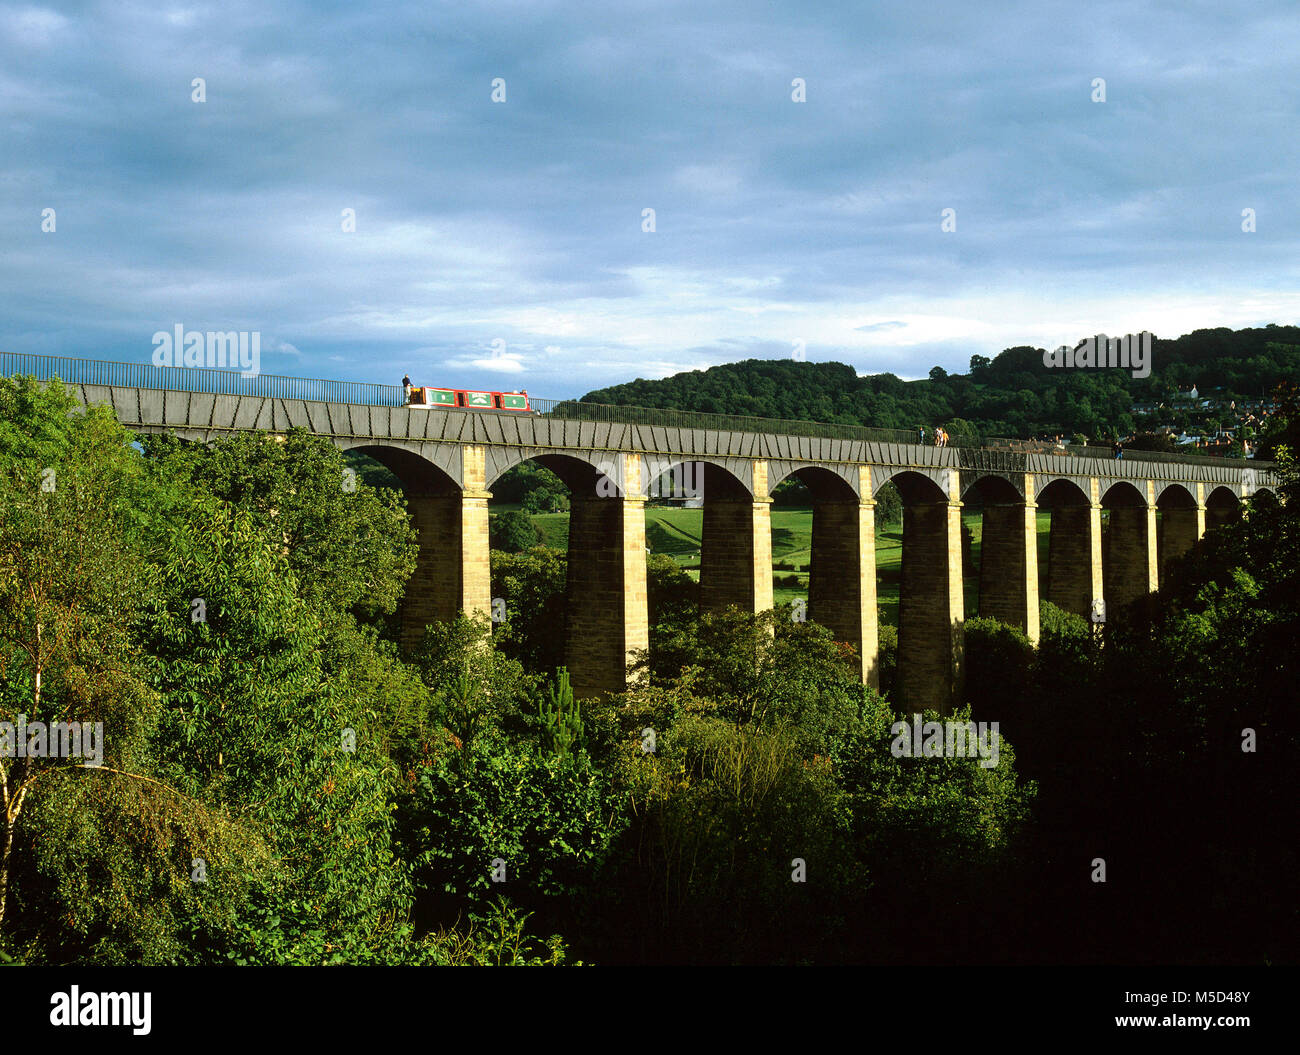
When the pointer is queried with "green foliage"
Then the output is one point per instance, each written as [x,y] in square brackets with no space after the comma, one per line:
[77,523]
[560,718]
[352,806]
[1152,441]
[999,664]
[544,815]
[722,812]
[673,599]
[889,505]
[350,545]
[515,486]
[252,725]
[887,655]
[495,938]
[244,813]
[1012,395]
[544,501]
[475,687]
[791,492]
[512,532]
[754,667]
[532,585]
[769,750]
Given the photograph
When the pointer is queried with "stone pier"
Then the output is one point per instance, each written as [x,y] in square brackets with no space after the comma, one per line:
[736,544]
[1131,565]
[1008,587]
[1180,527]
[842,578]
[608,616]
[931,612]
[452,570]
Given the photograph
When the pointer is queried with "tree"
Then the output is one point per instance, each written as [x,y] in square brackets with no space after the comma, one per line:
[560,717]
[889,505]
[1152,441]
[532,584]
[350,545]
[512,532]
[103,848]
[252,725]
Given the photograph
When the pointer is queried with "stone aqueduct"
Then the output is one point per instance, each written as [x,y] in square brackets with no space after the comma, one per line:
[449,460]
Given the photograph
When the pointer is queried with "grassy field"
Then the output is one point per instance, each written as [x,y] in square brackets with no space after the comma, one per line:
[676,532]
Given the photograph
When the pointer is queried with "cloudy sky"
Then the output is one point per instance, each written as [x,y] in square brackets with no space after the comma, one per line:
[501,244]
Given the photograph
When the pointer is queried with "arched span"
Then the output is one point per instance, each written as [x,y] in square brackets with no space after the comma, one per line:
[695,480]
[1062,491]
[583,470]
[1222,497]
[922,486]
[1175,496]
[418,475]
[1222,506]
[1121,494]
[991,488]
[1184,486]
[845,485]
[824,485]
[579,470]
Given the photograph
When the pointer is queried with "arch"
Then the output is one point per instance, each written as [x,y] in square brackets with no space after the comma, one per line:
[1121,494]
[1007,568]
[579,475]
[824,485]
[451,570]
[691,478]
[417,475]
[778,471]
[930,599]
[1175,495]
[1062,491]
[602,618]
[1178,528]
[735,544]
[1129,545]
[1071,577]
[1161,486]
[1222,497]
[1264,497]
[991,488]
[1222,506]
[579,470]
[921,486]
[840,588]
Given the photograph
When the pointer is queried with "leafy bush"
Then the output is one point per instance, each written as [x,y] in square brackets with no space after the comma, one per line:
[548,818]
[512,532]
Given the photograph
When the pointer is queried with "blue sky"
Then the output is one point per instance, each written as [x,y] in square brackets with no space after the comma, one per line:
[521,221]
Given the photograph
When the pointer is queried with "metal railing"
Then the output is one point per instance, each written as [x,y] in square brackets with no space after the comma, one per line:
[1103,451]
[361,393]
[576,410]
[198,379]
